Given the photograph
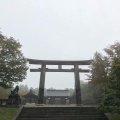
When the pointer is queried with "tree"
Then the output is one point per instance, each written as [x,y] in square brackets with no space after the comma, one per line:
[105,74]
[4,93]
[110,101]
[101,65]
[113,51]
[99,75]
[99,69]
[12,62]
[23,89]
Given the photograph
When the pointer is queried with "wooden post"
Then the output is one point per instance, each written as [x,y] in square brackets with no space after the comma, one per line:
[77,85]
[41,85]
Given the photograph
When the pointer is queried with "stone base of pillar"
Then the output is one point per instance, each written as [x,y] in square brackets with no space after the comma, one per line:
[79,105]
[78,97]
[41,96]
[40,104]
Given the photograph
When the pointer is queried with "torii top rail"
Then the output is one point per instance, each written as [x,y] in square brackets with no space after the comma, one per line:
[59,62]
[43,70]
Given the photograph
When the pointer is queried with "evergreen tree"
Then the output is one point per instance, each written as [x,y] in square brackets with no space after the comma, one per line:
[110,101]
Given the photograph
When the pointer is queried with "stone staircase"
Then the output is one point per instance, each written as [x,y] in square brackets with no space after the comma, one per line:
[60,113]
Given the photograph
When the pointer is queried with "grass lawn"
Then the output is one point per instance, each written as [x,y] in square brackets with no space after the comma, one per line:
[7,113]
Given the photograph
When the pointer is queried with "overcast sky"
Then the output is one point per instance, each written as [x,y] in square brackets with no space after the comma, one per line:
[60,30]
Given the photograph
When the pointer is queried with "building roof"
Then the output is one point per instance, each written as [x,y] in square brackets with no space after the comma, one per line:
[61,93]
[30,95]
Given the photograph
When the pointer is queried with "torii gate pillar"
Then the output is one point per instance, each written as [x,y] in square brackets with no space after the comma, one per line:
[41,85]
[77,85]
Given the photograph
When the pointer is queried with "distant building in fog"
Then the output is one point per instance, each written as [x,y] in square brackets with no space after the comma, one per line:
[57,97]
[30,97]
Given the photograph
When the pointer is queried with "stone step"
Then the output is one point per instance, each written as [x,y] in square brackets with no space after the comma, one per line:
[79,118]
[62,112]
[89,113]
[58,109]
[60,116]
[77,108]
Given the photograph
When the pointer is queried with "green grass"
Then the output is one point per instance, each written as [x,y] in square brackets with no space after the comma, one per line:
[7,113]
[116,116]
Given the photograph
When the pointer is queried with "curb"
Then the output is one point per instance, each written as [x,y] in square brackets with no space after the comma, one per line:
[18,112]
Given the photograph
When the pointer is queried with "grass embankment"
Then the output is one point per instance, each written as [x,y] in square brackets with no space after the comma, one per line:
[116,116]
[7,113]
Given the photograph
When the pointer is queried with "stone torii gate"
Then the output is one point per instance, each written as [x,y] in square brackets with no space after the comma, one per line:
[43,70]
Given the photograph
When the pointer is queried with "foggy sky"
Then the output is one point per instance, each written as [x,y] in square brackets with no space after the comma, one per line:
[60,30]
